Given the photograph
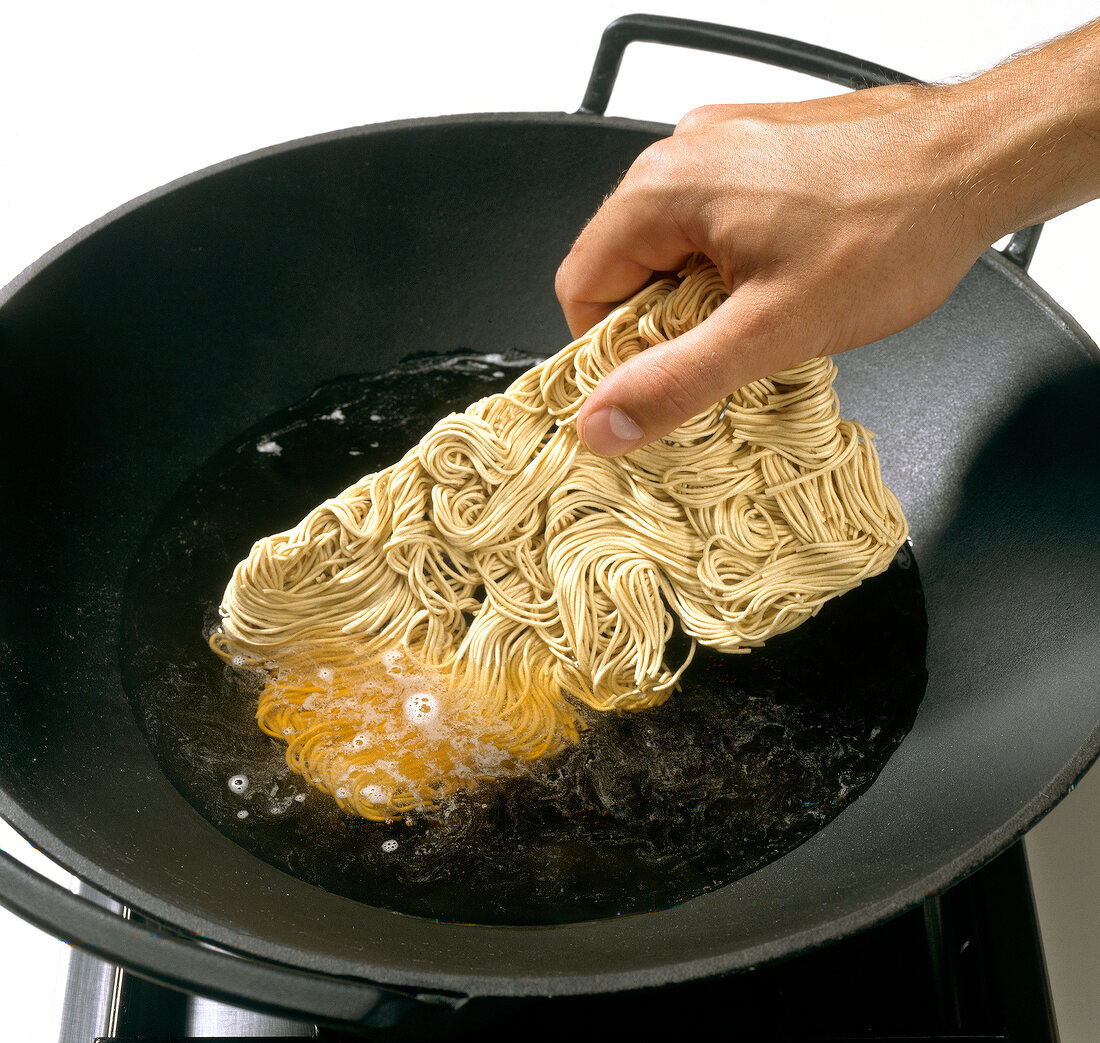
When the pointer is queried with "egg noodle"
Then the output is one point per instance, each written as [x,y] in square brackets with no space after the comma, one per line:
[438,622]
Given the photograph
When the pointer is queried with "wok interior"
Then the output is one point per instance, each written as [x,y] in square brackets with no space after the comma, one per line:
[752,755]
[144,347]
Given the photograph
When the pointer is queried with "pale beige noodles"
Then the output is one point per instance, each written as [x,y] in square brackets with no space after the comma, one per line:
[517,572]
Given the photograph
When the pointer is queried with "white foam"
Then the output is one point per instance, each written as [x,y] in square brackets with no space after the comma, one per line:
[389,846]
[421,707]
[391,658]
[374,793]
[238,783]
[269,446]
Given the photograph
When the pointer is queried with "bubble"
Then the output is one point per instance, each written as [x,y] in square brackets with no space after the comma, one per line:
[420,707]
[326,674]
[288,731]
[238,783]
[375,417]
[389,845]
[391,659]
[242,814]
[343,792]
[374,793]
[300,797]
[359,741]
[238,661]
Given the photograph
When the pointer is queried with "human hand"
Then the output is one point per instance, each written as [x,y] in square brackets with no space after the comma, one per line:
[833,223]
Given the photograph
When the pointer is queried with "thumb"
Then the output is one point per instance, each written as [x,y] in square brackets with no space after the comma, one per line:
[657,390]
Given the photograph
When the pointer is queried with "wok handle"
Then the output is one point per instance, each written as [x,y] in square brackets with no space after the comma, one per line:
[192,966]
[781,51]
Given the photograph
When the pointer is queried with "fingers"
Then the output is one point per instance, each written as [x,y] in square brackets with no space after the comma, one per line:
[656,391]
[633,235]
[589,286]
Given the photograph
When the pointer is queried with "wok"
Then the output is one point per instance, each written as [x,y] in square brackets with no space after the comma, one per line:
[135,350]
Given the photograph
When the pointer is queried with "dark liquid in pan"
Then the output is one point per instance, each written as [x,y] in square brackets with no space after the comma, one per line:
[756,753]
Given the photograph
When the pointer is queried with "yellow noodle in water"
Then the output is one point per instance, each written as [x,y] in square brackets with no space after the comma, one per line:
[501,573]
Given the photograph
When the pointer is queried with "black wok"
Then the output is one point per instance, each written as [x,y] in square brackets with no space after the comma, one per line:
[134,351]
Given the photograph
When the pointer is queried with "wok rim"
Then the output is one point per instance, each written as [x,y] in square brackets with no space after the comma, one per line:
[870,914]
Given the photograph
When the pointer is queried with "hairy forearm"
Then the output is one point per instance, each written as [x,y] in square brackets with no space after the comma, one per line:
[1027,134]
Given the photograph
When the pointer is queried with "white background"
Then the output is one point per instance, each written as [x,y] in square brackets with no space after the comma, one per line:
[101,102]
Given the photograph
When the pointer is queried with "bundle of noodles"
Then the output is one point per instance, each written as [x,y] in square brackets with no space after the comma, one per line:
[498,572]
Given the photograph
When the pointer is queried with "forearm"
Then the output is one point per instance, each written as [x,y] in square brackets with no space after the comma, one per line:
[1026,134]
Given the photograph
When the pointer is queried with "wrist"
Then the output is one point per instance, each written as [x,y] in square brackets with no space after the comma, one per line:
[1022,141]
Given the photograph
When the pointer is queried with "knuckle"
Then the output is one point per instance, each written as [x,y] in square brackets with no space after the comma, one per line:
[669,387]
[563,280]
[657,162]
[697,118]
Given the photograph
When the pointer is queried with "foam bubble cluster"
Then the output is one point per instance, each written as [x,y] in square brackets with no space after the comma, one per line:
[421,707]
[382,734]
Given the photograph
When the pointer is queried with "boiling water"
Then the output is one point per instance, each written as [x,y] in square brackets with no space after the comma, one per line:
[754,755]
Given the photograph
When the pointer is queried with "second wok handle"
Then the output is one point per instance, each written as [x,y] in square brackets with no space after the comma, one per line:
[192,966]
[833,66]
[781,51]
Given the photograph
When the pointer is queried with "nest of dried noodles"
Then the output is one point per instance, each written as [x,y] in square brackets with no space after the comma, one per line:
[519,574]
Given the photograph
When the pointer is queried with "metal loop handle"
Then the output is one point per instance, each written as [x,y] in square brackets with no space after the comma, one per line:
[834,66]
[192,966]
